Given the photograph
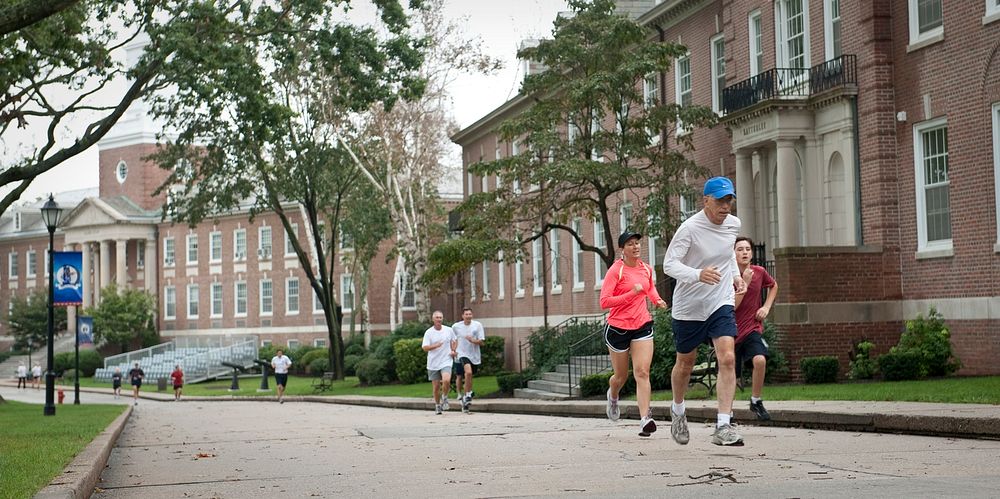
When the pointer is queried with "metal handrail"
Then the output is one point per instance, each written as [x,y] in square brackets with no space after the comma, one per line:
[589,364]
[524,345]
[776,83]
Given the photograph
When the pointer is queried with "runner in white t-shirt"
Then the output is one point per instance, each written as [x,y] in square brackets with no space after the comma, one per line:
[470,336]
[439,343]
[701,258]
[280,363]
[36,376]
[22,376]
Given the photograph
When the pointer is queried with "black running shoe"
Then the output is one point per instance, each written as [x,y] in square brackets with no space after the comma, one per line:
[758,410]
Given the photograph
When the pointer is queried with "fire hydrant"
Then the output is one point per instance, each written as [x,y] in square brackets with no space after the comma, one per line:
[61,395]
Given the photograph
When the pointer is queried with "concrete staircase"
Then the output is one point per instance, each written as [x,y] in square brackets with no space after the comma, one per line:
[8,369]
[555,385]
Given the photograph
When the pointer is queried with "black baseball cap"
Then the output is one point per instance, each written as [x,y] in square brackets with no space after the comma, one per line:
[622,239]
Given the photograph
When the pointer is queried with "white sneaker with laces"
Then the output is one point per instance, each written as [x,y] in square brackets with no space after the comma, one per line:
[612,410]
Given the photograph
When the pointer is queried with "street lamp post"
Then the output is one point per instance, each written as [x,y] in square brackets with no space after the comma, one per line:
[51,212]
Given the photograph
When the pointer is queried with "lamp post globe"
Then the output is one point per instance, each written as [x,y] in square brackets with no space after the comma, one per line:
[51,213]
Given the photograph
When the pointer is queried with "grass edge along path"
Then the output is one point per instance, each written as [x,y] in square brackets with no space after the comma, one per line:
[38,448]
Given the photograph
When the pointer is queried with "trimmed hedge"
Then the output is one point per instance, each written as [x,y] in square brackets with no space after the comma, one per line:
[900,364]
[354,349]
[90,360]
[304,364]
[318,366]
[821,369]
[372,370]
[493,355]
[510,381]
[351,364]
[411,360]
[593,385]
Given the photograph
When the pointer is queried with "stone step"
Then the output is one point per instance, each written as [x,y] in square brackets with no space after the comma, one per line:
[563,378]
[530,393]
[553,387]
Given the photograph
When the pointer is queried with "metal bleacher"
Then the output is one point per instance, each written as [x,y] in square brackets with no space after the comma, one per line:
[200,357]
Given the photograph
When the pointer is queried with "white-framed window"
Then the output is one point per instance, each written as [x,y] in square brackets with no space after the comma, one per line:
[216,308]
[650,98]
[992,11]
[265,343]
[215,247]
[46,263]
[688,205]
[192,249]
[266,297]
[240,292]
[293,344]
[501,277]
[346,240]
[515,149]
[572,131]
[596,128]
[996,161]
[599,268]
[577,256]
[30,257]
[289,249]
[140,254]
[718,70]
[472,283]
[292,296]
[192,301]
[469,182]
[519,278]
[121,171]
[168,252]
[12,265]
[792,39]
[624,216]
[536,265]
[486,281]
[319,343]
[682,86]
[926,19]
[317,303]
[408,293]
[555,245]
[240,245]
[265,243]
[756,43]
[347,292]
[831,29]
[930,152]
[169,302]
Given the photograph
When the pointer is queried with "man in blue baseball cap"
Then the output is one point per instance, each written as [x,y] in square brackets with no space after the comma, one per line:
[701,258]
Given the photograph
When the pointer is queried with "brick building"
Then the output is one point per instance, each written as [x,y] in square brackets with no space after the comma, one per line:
[845,126]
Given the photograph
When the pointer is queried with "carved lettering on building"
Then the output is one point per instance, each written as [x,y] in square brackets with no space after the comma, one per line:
[757,127]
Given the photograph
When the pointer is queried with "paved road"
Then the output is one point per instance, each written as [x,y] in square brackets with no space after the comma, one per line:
[242,449]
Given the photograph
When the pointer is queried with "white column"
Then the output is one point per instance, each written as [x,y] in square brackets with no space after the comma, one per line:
[121,275]
[105,272]
[151,266]
[788,195]
[745,202]
[88,283]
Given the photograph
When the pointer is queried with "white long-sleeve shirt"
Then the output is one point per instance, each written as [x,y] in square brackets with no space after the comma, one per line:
[699,244]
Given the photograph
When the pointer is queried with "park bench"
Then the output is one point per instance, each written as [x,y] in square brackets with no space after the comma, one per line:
[323,383]
[707,374]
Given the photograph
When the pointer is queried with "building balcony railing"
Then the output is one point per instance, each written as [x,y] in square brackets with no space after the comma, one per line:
[785,83]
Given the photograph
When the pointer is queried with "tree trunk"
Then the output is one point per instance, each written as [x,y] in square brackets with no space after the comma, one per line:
[394,308]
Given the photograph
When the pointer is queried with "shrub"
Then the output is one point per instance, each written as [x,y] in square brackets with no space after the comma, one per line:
[409,329]
[411,360]
[267,352]
[862,365]
[492,352]
[318,366]
[372,370]
[381,348]
[305,362]
[900,364]
[354,349]
[819,369]
[509,381]
[592,385]
[351,364]
[69,375]
[550,346]
[664,352]
[777,364]
[90,360]
[931,339]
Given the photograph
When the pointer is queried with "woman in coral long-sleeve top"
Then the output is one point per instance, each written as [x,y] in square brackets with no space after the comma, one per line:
[627,285]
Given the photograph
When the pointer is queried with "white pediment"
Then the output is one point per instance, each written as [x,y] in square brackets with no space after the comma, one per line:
[91,212]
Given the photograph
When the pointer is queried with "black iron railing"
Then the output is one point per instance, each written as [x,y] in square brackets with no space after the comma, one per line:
[790,82]
[553,334]
[587,356]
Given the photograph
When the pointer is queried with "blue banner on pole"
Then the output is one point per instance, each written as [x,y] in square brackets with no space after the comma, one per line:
[85,330]
[67,278]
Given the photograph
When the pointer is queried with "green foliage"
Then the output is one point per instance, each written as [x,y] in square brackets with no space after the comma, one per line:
[68,375]
[931,339]
[664,350]
[351,363]
[550,347]
[822,369]
[28,320]
[305,360]
[353,349]
[319,365]
[777,364]
[597,61]
[593,385]
[372,370]
[510,381]
[411,360]
[267,352]
[862,365]
[492,352]
[409,329]
[90,360]
[900,364]
[124,317]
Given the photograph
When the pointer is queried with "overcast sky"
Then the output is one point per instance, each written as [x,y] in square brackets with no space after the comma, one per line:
[500,24]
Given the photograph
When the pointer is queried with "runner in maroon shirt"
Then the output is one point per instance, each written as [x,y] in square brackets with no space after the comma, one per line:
[750,315]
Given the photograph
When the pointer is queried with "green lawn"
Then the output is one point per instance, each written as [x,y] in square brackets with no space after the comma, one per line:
[969,390]
[302,385]
[35,448]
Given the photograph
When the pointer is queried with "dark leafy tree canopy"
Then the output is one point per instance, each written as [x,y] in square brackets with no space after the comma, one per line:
[589,135]
[28,320]
[124,317]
